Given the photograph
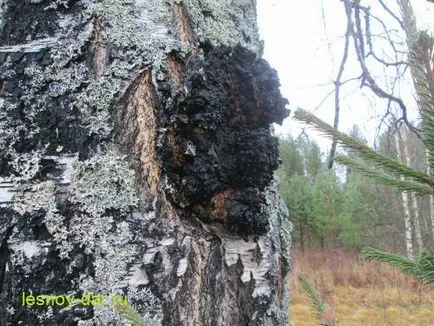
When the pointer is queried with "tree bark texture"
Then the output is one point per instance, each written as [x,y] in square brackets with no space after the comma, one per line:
[137,159]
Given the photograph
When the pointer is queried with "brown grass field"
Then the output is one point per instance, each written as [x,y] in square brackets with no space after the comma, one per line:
[359,292]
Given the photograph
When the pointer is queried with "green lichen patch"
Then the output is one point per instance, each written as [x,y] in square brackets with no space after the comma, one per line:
[104,182]
[134,30]
[225,22]
[32,198]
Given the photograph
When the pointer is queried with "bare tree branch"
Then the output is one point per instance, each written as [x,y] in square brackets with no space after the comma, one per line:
[326,34]
[368,80]
[338,84]
[400,22]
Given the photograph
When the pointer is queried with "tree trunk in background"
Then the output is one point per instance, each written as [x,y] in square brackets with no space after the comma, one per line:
[417,230]
[301,236]
[414,200]
[421,81]
[137,159]
[405,202]
[431,211]
[431,197]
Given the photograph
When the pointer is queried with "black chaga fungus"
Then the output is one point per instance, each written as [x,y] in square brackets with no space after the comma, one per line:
[217,150]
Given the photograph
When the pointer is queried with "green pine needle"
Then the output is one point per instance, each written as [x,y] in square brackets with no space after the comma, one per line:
[403,185]
[364,151]
[422,266]
[129,313]
[315,298]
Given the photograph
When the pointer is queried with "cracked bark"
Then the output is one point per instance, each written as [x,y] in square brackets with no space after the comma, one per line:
[137,159]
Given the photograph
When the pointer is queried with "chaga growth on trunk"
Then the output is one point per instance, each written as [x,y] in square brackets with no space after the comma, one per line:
[216,149]
[136,159]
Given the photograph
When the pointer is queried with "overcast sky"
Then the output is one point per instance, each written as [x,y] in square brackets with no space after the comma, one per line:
[306,50]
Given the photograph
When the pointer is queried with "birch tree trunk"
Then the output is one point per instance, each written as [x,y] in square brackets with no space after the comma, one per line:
[423,78]
[414,200]
[417,230]
[431,211]
[431,196]
[405,202]
[137,159]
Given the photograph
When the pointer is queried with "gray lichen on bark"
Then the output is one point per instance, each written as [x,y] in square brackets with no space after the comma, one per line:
[124,129]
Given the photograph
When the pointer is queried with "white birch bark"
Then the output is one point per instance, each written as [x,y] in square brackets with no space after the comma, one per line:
[431,212]
[414,199]
[423,93]
[417,229]
[431,197]
[405,204]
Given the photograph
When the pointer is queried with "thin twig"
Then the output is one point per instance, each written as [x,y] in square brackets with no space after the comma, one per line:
[338,83]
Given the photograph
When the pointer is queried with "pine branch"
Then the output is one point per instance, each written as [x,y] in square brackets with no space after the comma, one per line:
[403,185]
[420,46]
[315,298]
[362,150]
[403,263]
[129,313]
[425,263]
[422,266]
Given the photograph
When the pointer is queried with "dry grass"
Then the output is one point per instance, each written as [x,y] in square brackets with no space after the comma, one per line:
[359,292]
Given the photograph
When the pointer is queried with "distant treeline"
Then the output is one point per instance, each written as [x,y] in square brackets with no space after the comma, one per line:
[339,207]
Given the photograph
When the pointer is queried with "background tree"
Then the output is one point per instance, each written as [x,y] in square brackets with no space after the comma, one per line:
[327,201]
[298,196]
[356,212]
[387,171]
[326,209]
[367,32]
[295,188]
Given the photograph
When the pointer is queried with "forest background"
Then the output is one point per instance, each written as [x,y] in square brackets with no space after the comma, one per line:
[331,208]
[373,84]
